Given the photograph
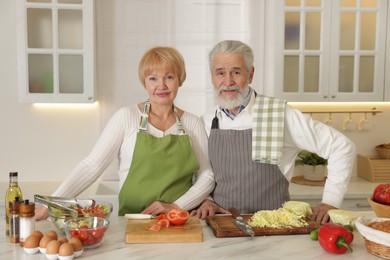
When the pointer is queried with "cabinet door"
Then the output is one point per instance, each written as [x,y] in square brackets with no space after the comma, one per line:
[56,51]
[358,50]
[330,50]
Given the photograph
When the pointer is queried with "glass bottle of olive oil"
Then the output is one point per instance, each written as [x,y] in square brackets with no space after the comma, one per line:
[13,191]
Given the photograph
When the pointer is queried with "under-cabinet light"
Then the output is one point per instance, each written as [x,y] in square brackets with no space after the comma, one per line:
[67,105]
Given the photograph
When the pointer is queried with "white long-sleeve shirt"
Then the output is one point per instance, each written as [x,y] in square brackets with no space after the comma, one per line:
[301,132]
[118,139]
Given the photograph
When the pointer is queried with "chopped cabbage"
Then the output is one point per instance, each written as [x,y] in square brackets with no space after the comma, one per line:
[299,208]
[279,218]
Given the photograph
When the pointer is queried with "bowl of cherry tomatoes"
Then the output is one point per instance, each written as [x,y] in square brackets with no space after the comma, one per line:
[58,216]
[89,230]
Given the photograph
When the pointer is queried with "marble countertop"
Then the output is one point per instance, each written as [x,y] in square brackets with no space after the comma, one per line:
[358,188]
[261,247]
[108,191]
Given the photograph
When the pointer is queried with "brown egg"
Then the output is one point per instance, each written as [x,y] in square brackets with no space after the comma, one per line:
[63,240]
[66,249]
[52,247]
[44,240]
[38,234]
[31,242]
[76,243]
[53,234]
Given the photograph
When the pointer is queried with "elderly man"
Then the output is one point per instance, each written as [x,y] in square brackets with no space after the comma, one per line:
[254,140]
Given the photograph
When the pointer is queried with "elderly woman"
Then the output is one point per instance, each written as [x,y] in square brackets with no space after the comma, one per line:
[163,157]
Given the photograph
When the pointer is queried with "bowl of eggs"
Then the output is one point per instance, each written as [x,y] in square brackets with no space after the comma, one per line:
[52,246]
[89,230]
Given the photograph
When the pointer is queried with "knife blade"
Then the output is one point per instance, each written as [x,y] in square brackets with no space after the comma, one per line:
[241,223]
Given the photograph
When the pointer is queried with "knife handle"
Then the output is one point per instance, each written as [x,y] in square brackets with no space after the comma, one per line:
[234,212]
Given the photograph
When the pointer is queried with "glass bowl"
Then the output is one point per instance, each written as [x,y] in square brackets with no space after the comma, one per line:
[58,217]
[90,230]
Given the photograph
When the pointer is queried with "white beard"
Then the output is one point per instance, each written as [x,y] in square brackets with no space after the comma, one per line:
[228,103]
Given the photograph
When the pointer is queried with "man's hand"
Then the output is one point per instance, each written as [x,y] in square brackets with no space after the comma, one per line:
[158,207]
[41,213]
[208,208]
[320,213]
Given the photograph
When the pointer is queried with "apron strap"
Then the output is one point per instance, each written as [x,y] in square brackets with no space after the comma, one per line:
[143,124]
[215,122]
[178,122]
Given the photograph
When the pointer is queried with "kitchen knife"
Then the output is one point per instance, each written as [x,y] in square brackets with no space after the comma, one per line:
[139,216]
[241,223]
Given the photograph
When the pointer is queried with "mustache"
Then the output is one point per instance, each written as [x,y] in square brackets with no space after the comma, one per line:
[224,87]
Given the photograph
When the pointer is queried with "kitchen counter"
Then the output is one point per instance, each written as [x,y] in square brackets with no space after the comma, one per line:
[355,199]
[358,188]
[261,247]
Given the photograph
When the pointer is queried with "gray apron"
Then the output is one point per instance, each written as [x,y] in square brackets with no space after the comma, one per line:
[240,182]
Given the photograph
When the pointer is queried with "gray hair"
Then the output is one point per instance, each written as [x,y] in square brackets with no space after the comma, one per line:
[232,47]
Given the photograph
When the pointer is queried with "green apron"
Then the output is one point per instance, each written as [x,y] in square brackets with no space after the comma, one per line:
[161,169]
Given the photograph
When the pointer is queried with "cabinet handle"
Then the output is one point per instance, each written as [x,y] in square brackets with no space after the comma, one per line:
[333,96]
[325,96]
[358,205]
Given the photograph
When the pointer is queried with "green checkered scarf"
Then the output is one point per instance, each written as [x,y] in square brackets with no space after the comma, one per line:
[268,128]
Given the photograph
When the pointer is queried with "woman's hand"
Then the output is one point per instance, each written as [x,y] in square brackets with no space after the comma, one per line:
[41,213]
[158,207]
[208,208]
[320,213]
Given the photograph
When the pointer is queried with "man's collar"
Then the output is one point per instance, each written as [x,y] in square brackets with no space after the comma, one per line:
[242,107]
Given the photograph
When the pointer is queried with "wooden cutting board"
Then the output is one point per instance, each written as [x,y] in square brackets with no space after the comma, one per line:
[222,226]
[190,232]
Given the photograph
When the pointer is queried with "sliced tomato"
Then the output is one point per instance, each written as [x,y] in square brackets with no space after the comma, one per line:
[97,211]
[163,222]
[177,216]
[154,227]
[161,216]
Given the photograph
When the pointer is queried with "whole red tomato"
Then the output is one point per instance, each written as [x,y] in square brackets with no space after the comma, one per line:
[382,194]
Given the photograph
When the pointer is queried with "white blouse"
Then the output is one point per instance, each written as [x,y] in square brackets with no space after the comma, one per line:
[118,139]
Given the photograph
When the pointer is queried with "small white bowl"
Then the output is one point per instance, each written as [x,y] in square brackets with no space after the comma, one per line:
[78,253]
[52,256]
[68,257]
[31,251]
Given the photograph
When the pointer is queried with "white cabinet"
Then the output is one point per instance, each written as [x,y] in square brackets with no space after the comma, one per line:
[56,51]
[333,50]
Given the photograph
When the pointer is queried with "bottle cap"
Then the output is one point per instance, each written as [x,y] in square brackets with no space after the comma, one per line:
[13,174]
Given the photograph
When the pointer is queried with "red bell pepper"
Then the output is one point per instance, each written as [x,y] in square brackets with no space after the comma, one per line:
[335,238]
